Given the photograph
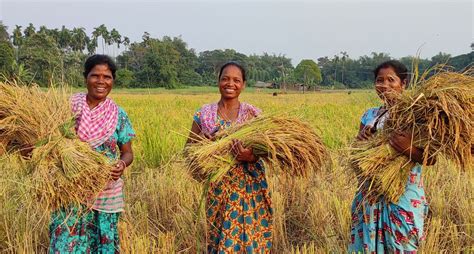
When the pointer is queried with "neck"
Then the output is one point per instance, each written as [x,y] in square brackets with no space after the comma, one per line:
[229,103]
[91,102]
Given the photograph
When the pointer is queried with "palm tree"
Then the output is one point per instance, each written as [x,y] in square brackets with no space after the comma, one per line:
[17,36]
[115,38]
[43,30]
[343,58]
[4,36]
[78,39]
[65,38]
[91,44]
[102,32]
[29,31]
[336,61]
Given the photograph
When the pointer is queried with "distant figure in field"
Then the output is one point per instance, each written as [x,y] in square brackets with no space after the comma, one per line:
[384,227]
[275,93]
[238,207]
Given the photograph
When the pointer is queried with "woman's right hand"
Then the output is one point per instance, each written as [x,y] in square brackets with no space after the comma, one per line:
[365,133]
[210,136]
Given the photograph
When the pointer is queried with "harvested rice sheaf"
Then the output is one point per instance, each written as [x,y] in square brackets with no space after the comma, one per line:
[438,113]
[285,144]
[62,169]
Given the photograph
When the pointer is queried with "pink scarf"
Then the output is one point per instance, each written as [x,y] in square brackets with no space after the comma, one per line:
[97,125]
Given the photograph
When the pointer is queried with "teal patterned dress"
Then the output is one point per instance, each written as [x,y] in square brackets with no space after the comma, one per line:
[77,230]
[385,227]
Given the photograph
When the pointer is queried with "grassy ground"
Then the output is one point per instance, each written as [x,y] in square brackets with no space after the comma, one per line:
[312,215]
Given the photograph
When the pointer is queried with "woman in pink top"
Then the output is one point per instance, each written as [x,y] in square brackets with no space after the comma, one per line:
[238,208]
[107,128]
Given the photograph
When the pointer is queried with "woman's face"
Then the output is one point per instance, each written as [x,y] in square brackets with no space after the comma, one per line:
[99,82]
[388,85]
[231,82]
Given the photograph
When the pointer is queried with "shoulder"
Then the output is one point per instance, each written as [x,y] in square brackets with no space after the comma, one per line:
[369,115]
[205,111]
[122,115]
[250,109]
[121,111]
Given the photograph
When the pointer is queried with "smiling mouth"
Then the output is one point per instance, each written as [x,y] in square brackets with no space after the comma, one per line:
[101,89]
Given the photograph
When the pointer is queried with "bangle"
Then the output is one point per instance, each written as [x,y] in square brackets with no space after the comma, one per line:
[124,164]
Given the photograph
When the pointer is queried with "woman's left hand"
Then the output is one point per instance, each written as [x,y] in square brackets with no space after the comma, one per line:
[241,153]
[117,170]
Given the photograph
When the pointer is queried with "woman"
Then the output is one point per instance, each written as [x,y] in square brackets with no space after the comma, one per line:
[105,126]
[385,227]
[238,208]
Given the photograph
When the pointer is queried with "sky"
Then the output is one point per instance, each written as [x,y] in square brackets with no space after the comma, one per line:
[296,29]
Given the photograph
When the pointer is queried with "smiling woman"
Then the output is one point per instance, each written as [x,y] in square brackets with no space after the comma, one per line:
[105,126]
[238,208]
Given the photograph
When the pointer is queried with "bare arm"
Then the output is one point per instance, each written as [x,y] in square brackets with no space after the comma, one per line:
[403,144]
[126,158]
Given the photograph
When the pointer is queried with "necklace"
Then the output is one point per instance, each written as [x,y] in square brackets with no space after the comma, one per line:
[225,116]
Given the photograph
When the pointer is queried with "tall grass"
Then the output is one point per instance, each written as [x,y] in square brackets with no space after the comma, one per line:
[312,214]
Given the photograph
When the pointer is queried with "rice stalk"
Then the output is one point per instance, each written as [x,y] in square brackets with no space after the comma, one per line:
[438,113]
[285,144]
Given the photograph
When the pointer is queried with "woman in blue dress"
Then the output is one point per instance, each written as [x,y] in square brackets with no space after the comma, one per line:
[383,226]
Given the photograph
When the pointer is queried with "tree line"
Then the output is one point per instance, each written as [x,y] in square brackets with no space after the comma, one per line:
[44,56]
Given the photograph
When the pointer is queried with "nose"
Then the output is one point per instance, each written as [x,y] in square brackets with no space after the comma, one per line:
[100,79]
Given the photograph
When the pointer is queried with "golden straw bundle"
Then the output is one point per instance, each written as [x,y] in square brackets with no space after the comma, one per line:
[438,113]
[283,143]
[63,170]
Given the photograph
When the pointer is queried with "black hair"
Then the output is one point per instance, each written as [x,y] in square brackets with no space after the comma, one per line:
[399,68]
[97,59]
[236,64]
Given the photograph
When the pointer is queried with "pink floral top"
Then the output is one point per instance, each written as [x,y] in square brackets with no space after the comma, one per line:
[210,122]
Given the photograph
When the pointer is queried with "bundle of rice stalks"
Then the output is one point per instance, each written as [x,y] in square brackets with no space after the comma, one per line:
[438,113]
[380,169]
[63,170]
[285,144]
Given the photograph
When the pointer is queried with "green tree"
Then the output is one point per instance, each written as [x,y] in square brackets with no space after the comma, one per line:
[41,56]
[308,72]
[440,58]
[101,31]
[17,36]
[124,78]
[79,39]
[4,36]
[30,30]
[7,58]
[65,39]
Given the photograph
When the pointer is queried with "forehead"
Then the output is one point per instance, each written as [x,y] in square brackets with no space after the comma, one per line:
[101,68]
[388,71]
[232,71]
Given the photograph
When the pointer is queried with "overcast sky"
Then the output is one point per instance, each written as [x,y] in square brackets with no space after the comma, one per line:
[297,29]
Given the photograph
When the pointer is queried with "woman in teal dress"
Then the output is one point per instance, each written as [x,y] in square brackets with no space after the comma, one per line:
[107,129]
[385,227]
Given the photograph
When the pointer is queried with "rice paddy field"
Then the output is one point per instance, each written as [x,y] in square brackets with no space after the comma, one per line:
[312,214]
